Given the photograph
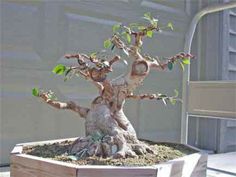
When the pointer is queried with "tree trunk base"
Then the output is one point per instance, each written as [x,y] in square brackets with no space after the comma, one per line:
[108,146]
[108,134]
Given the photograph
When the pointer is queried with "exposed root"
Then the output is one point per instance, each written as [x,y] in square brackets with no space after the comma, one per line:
[107,146]
[141,148]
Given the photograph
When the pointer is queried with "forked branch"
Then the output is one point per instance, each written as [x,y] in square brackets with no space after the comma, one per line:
[97,72]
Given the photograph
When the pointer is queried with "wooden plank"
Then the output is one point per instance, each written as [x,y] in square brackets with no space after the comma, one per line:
[200,168]
[190,165]
[20,172]
[170,169]
[110,171]
[46,142]
[31,166]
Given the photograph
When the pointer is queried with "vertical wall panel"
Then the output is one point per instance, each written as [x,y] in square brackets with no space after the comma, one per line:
[214,44]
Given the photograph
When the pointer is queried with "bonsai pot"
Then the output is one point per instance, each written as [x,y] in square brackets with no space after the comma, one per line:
[24,165]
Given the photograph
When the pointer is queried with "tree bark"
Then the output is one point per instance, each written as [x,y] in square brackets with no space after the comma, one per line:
[109,133]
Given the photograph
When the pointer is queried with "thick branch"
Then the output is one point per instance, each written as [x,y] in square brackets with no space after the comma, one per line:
[132,50]
[81,59]
[86,75]
[96,75]
[83,112]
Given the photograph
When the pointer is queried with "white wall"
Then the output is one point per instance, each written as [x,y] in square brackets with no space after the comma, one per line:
[34,37]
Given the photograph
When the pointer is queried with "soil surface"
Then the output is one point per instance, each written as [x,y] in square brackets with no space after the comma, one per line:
[58,151]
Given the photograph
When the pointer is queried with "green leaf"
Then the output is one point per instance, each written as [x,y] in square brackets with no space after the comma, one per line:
[107,43]
[93,55]
[170,65]
[149,34]
[147,15]
[186,61]
[154,23]
[115,28]
[176,93]
[35,92]
[161,95]
[182,65]
[59,69]
[170,25]
[172,101]
[128,37]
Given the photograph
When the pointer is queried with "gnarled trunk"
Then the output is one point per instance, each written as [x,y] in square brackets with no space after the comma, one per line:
[108,133]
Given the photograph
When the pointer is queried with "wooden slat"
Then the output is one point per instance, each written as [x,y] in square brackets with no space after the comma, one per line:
[171,169]
[25,164]
[109,171]
[191,165]
[19,172]
[30,166]
[46,142]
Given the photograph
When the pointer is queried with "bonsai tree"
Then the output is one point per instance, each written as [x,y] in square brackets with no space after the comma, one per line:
[109,132]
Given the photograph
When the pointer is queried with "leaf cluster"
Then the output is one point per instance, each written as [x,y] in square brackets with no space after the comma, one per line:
[128,33]
[182,61]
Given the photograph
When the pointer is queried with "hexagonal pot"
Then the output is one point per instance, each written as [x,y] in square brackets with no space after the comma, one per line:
[23,165]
